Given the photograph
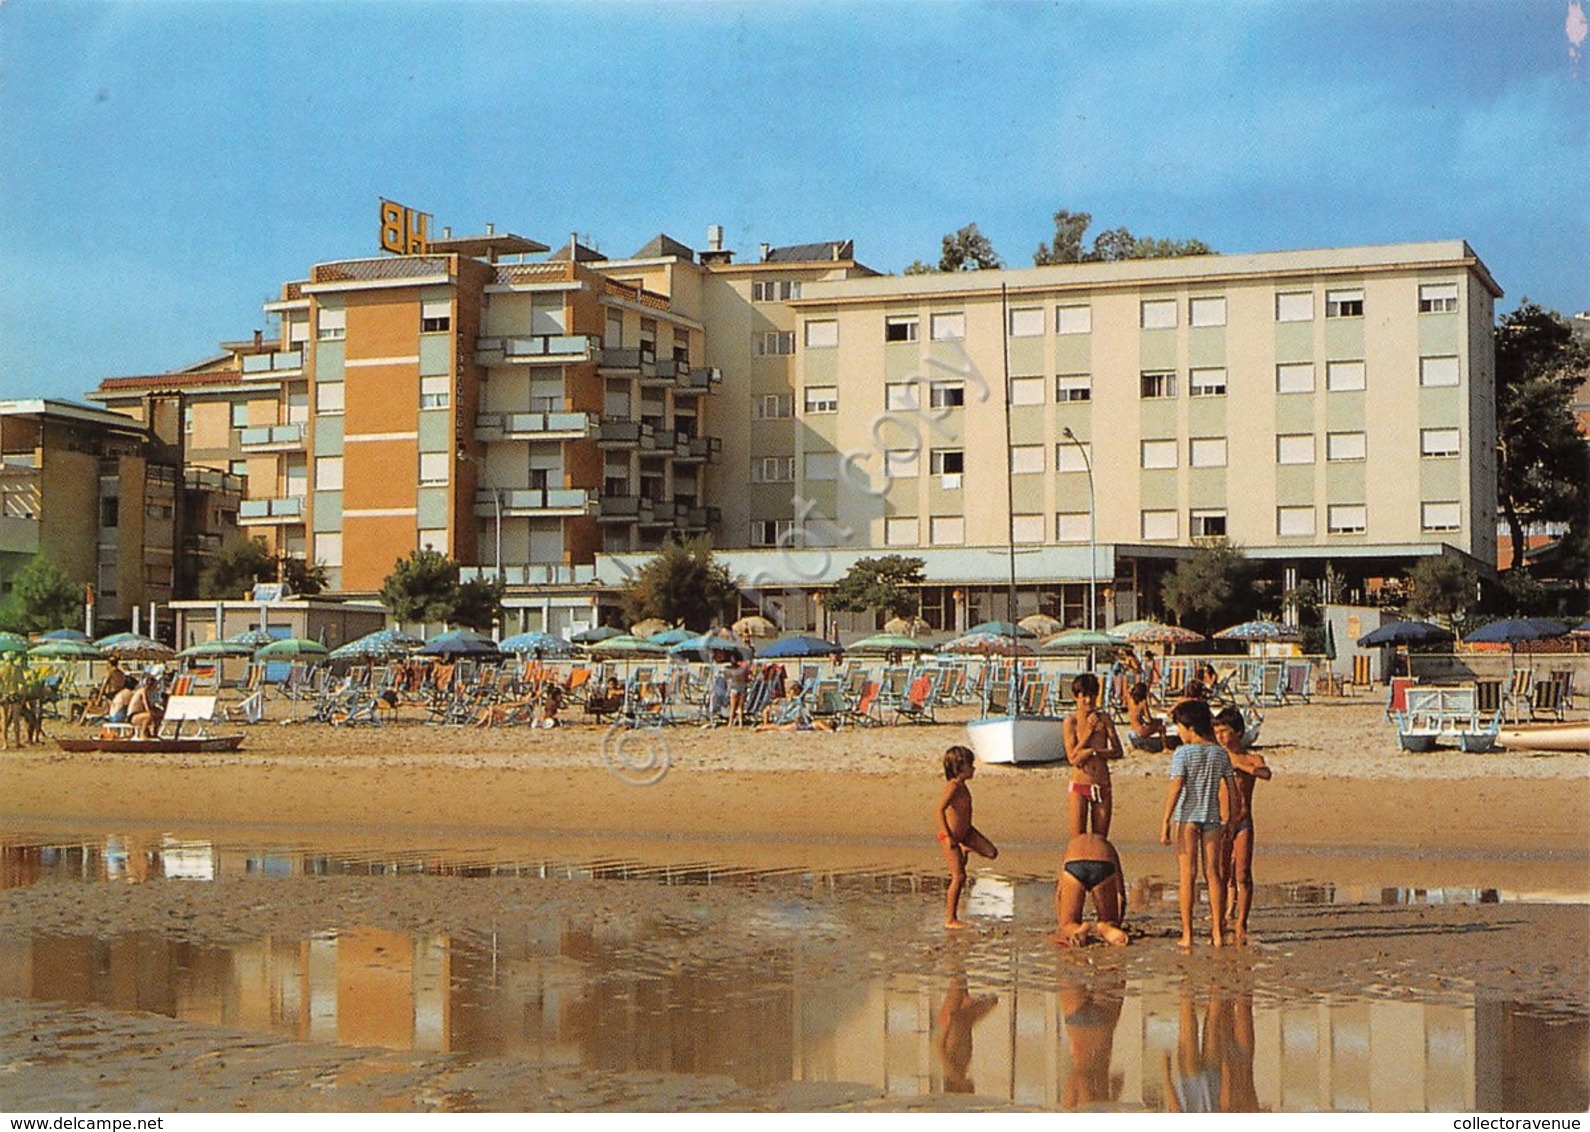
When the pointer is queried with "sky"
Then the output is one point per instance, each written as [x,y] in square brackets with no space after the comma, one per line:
[165,167]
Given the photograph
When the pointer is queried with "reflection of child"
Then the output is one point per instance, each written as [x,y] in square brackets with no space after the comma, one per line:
[1199,807]
[958,1014]
[1230,728]
[957,834]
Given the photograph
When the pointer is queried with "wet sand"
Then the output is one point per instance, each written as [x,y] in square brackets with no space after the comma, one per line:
[1345,806]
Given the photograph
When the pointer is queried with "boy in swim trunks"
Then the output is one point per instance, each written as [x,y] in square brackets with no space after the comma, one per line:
[1091,867]
[957,834]
[1090,741]
[1198,809]
[1230,728]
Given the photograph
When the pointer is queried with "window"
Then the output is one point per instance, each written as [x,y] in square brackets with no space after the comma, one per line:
[1294,306]
[436,316]
[1073,320]
[187,418]
[947,530]
[1440,516]
[1027,322]
[772,343]
[1207,312]
[109,512]
[767,532]
[1346,518]
[901,463]
[1344,446]
[1438,442]
[899,395]
[822,399]
[434,466]
[1071,526]
[901,328]
[238,467]
[1437,298]
[1340,376]
[1159,525]
[1157,385]
[1073,387]
[1207,524]
[900,532]
[822,333]
[239,414]
[948,327]
[328,548]
[328,397]
[1438,371]
[822,466]
[1344,304]
[775,290]
[1026,528]
[614,338]
[328,473]
[1206,383]
[773,469]
[947,394]
[1295,448]
[332,324]
[1069,457]
[775,406]
[1294,522]
[1026,391]
[434,392]
[1294,377]
[1026,459]
[1159,453]
[1207,452]
[433,538]
[1158,314]
[947,462]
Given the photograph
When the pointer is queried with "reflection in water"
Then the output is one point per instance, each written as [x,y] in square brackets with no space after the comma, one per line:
[1090,1010]
[959,1012]
[1213,1069]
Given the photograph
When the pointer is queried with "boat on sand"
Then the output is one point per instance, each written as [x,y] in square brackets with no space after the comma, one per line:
[1574,736]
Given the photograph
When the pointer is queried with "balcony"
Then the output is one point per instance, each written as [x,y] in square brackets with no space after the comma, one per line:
[536,349]
[270,512]
[274,438]
[701,518]
[536,502]
[531,574]
[630,509]
[626,434]
[687,379]
[275,364]
[535,426]
[624,361]
[698,449]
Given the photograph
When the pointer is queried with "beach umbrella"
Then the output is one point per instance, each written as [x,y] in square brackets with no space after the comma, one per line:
[754,626]
[887,643]
[383,644]
[649,627]
[208,649]
[1078,640]
[538,644]
[1150,632]
[459,642]
[799,647]
[13,642]
[906,626]
[1330,641]
[134,646]
[292,648]
[986,644]
[1259,631]
[1512,630]
[670,637]
[1002,628]
[1581,630]
[707,646]
[595,635]
[625,645]
[65,635]
[254,638]
[1041,624]
[63,649]
[1405,633]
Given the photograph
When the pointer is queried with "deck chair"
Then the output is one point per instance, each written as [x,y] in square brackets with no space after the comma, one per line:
[1299,678]
[1398,702]
[1548,701]
[186,709]
[250,709]
[1363,671]
[1487,696]
[916,705]
[1519,693]
[862,712]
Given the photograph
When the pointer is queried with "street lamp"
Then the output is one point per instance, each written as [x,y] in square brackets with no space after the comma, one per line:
[1093,538]
[496,506]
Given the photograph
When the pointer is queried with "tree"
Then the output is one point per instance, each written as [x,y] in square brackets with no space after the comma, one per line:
[1543,465]
[422,587]
[968,250]
[477,604]
[237,568]
[1109,246]
[683,583]
[301,577]
[1442,587]
[42,597]
[1215,585]
[889,585]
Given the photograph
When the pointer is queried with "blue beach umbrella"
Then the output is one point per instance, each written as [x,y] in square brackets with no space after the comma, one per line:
[1405,633]
[709,645]
[537,643]
[1511,630]
[459,642]
[799,648]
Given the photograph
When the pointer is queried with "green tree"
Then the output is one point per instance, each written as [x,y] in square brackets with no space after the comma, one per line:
[890,585]
[422,587]
[1213,587]
[477,604]
[683,583]
[42,597]
[301,577]
[1442,587]
[1070,229]
[968,250]
[1543,465]
[235,569]
[917,267]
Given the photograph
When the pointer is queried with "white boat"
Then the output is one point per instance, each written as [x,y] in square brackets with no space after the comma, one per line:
[1017,739]
[1545,736]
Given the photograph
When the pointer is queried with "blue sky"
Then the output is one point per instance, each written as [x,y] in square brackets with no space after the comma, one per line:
[167,166]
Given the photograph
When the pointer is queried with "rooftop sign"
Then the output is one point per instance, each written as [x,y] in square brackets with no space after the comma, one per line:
[404,231]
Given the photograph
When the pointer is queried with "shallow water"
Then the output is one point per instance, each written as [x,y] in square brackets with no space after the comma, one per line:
[795,998]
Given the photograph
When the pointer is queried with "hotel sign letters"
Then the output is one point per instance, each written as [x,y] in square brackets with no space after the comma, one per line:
[404,231]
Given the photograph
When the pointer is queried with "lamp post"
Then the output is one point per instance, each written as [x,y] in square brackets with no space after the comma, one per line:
[1093,536]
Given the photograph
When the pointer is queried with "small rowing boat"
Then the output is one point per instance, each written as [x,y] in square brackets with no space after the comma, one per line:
[1545,736]
[194,745]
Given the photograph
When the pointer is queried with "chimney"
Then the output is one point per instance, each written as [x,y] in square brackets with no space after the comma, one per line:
[259,339]
[447,231]
[714,237]
[491,229]
[766,249]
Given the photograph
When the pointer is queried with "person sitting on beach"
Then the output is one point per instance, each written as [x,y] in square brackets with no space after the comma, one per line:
[956,833]
[1249,767]
[115,681]
[1090,742]
[1091,867]
[143,711]
[549,703]
[1148,732]
[1198,808]
[120,706]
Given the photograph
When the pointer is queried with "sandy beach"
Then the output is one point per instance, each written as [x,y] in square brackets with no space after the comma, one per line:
[1345,810]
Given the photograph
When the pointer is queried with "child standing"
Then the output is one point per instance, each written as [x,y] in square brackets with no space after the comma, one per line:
[1198,808]
[1230,728]
[1091,742]
[957,834]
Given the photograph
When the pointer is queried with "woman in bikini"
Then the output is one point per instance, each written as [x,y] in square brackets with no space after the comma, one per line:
[1091,742]
[1091,867]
